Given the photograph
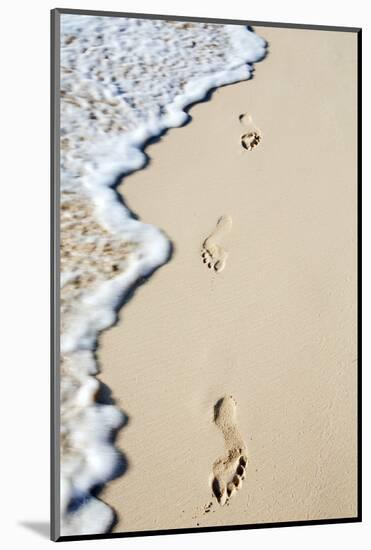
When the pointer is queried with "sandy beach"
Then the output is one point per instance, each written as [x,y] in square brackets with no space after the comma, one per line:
[258,351]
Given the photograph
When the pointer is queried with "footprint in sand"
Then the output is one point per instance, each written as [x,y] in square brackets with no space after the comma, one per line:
[252,136]
[229,470]
[213,254]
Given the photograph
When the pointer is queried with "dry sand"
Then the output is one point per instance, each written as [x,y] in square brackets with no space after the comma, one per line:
[275,328]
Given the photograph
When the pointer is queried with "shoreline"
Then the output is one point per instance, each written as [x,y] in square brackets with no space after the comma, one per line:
[270,328]
[105,251]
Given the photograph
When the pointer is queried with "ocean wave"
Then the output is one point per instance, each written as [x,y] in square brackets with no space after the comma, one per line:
[123,81]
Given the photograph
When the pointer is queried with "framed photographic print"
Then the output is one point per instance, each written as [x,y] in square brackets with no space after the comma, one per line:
[206,273]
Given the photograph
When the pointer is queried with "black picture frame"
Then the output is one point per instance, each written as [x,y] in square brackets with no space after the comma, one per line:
[55,273]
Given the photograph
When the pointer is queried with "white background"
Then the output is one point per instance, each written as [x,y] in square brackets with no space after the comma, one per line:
[24,218]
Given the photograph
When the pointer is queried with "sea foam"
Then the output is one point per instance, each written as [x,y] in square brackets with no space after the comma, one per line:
[123,81]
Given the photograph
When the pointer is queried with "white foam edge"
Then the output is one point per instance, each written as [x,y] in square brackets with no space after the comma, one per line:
[94,515]
[98,309]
